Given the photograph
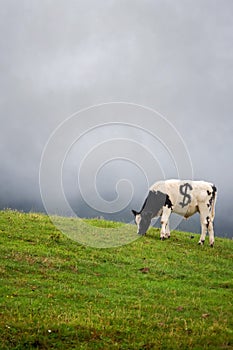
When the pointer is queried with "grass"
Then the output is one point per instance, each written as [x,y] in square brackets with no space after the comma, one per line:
[58,294]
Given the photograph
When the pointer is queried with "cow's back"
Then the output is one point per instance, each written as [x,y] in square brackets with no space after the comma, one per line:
[186,195]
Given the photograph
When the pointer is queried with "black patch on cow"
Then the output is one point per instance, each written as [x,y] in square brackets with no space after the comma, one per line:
[154,203]
[214,190]
[208,221]
[213,194]
[168,203]
[135,212]
[144,223]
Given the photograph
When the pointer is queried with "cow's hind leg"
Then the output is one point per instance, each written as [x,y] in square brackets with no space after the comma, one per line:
[203,231]
[167,230]
[211,232]
[206,218]
[203,209]
[211,223]
[207,225]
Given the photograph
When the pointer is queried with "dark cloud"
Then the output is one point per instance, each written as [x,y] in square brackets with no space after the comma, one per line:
[58,57]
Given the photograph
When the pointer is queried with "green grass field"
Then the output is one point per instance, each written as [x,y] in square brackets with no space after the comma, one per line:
[150,294]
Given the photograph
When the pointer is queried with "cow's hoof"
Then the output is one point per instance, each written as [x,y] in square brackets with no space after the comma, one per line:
[201,242]
[212,245]
[162,238]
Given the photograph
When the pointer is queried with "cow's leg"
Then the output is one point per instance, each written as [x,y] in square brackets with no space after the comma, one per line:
[211,232]
[167,234]
[211,224]
[164,221]
[203,231]
[206,218]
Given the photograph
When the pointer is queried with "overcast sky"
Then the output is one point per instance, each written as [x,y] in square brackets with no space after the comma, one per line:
[58,57]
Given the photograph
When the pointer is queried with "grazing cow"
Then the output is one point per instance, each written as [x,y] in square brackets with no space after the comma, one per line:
[185,198]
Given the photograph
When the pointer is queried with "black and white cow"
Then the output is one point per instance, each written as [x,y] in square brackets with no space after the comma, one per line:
[183,197]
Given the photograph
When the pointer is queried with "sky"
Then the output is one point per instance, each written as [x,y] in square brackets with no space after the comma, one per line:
[58,58]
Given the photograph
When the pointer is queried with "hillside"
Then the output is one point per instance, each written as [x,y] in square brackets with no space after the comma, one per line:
[58,294]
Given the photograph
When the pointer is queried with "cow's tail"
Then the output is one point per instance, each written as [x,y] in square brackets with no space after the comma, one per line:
[214,198]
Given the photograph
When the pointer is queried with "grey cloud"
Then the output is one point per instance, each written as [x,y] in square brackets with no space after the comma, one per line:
[58,57]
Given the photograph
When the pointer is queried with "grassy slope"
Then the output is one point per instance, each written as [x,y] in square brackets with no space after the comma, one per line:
[57,294]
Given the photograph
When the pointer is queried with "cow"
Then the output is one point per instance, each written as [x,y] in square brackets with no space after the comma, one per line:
[183,197]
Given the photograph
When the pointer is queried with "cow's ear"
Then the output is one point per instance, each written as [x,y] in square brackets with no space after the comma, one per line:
[134,212]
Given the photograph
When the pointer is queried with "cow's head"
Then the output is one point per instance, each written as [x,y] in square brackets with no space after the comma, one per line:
[143,221]
[152,207]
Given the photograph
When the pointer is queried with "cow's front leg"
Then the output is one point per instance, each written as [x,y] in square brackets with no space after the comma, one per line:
[164,221]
